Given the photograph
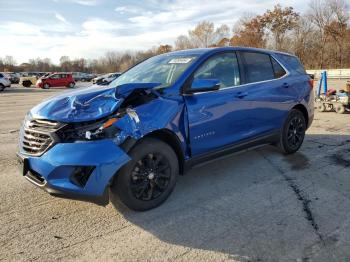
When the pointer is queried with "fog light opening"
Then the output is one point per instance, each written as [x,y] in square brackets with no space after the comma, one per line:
[81,175]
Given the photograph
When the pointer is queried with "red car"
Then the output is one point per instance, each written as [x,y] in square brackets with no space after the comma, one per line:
[56,79]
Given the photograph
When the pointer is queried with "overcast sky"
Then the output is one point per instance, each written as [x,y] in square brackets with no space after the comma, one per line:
[89,28]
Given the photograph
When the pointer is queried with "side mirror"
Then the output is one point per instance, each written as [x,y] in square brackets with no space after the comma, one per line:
[204,85]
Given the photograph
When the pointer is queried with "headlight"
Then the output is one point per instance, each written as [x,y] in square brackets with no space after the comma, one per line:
[89,131]
[105,130]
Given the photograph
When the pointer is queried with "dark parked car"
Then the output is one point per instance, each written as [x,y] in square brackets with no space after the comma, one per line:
[14,77]
[83,77]
[160,118]
[105,79]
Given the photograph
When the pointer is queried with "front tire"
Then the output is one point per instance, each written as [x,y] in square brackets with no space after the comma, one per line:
[148,179]
[321,107]
[46,86]
[293,132]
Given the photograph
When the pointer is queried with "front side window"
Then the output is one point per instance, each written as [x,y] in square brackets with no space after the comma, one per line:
[223,67]
[257,67]
[55,76]
[163,69]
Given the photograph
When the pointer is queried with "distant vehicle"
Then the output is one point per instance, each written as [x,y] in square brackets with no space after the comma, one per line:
[83,77]
[4,81]
[14,77]
[105,79]
[87,77]
[30,78]
[55,80]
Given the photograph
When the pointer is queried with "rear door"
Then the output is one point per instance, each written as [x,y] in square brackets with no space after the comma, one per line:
[270,92]
[218,118]
[63,80]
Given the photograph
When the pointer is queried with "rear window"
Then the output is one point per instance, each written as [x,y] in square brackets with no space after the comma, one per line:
[257,67]
[293,64]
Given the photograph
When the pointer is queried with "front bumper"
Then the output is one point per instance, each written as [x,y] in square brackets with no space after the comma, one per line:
[53,170]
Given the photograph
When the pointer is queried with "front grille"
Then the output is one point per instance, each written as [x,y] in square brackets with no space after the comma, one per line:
[37,136]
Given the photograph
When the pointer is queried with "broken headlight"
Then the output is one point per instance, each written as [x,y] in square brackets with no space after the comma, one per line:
[89,131]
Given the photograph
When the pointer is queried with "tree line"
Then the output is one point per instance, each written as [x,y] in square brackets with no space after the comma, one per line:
[320,37]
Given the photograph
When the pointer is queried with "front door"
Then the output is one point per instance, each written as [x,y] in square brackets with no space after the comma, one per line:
[218,118]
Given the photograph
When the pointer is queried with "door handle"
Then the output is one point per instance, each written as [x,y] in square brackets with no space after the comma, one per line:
[241,94]
[285,85]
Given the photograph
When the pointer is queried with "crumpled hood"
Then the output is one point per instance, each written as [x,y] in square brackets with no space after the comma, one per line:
[86,104]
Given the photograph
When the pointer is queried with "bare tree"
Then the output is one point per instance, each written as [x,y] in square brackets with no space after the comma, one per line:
[321,15]
[9,63]
[337,28]
[205,34]
[183,42]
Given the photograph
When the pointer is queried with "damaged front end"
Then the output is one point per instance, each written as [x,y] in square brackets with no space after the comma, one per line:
[72,144]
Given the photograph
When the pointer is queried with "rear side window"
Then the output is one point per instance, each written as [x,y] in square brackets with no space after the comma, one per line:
[277,68]
[257,67]
[293,64]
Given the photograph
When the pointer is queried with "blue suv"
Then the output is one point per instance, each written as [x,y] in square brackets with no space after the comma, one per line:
[128,142]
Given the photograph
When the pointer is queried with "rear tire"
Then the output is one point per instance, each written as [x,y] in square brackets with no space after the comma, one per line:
[71,85]
[339,108]
[148,179]
[293,132]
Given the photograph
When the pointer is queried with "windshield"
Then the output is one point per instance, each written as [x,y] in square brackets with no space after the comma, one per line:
[164,69]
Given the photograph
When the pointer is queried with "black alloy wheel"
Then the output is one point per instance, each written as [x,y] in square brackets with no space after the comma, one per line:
[293,133]
[150,177]
[296,132]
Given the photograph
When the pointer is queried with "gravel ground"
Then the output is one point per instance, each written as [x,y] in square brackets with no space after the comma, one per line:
[255,206]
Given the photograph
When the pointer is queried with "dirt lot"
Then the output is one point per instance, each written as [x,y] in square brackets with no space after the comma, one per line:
[255,206]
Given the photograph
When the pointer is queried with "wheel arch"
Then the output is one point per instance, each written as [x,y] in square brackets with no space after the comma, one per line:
[303,109]
[170,138]
[165,135]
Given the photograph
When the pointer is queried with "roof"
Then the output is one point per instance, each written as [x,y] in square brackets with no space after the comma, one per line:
[202,51]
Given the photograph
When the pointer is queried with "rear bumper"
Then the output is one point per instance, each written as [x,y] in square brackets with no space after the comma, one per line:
[311,119]
[56,170]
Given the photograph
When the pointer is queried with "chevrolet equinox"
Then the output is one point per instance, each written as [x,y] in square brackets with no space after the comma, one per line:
[129,141]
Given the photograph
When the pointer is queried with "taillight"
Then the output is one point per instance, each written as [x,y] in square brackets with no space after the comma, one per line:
[311,83]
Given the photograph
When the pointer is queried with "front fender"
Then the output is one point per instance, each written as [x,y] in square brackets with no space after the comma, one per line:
[158,114]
